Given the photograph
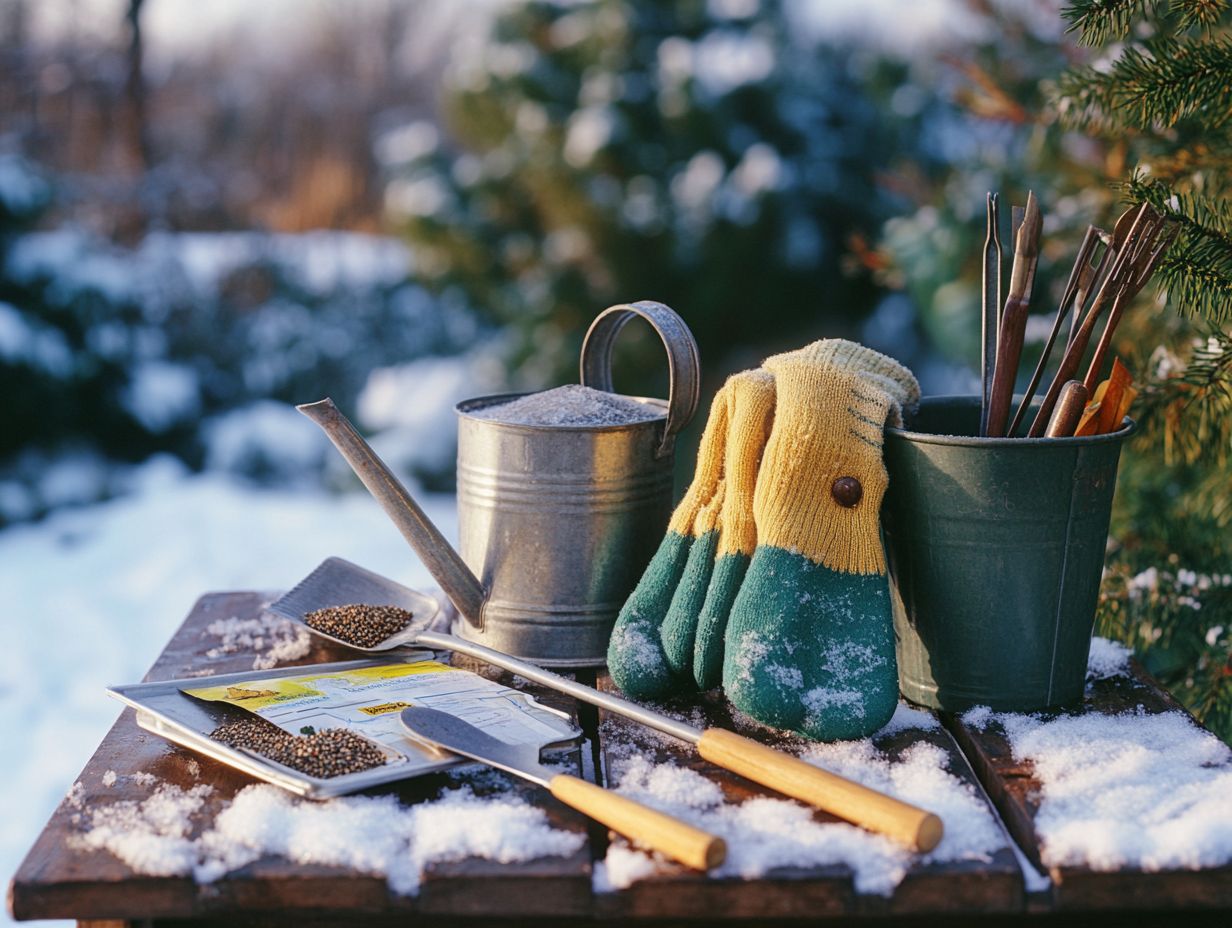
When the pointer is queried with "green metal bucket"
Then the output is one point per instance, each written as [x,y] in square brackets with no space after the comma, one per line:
[996,550]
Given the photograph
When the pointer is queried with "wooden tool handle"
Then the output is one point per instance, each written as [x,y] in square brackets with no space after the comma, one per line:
[1009,350]
[1101,347]
[1068,411]
[673,838]
[827,791]
[1065,372]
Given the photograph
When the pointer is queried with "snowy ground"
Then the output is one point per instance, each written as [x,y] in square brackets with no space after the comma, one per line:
[96,592]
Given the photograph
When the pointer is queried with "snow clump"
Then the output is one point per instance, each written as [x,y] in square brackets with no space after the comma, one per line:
[764,834]
[272,639]
[371,835]
[1108,659]
[1131,791]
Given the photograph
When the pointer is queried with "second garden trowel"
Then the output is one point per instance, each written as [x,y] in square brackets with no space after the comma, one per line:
[653,829]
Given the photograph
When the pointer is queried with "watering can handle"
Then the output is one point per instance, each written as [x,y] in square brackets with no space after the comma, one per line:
[683,366]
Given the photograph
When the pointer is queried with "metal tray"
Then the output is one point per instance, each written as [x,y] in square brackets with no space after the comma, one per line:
[163,709]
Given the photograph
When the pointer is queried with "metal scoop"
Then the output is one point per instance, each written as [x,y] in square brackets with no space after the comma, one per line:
[340,583]
[337,582]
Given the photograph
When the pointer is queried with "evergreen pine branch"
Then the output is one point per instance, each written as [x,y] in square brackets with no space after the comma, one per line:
[1197,274]
[1099,22]
[1168,80]
[1204,14]
[1197,269]
[1153,85]
[1191,410]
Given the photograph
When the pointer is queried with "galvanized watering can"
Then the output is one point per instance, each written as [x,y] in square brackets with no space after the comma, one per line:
[556,523]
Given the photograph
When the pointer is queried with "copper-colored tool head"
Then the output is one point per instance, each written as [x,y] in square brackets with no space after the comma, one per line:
[1123,224]
[1165,235]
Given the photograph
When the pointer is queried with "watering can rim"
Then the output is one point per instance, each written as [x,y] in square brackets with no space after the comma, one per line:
[465,408]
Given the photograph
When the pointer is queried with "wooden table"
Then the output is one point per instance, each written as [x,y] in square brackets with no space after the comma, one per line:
[58,881]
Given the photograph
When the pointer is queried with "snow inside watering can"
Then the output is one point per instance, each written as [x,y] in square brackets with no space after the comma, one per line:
[558,515]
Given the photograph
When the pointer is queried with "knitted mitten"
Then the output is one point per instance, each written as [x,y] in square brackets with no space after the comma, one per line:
[810,642]
[636,656]
[751,412]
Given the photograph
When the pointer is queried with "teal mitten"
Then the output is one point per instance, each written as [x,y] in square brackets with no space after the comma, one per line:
[750,413]
[637,654]
[810,642]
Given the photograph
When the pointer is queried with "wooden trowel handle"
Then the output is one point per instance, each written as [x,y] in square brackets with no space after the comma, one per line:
[917,828]
[1009,351]
[653,829]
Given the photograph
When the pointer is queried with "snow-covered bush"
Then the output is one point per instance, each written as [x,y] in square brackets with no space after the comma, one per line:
[265,440]
[194,344]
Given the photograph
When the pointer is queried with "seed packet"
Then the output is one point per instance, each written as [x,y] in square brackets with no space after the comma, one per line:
[368,700]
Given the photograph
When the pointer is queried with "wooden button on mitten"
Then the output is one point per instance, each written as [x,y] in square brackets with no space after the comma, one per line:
[810,642]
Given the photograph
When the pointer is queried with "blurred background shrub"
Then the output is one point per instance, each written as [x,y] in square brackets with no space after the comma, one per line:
[699,154]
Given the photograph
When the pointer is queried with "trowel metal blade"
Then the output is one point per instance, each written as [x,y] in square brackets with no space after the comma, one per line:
[442,730]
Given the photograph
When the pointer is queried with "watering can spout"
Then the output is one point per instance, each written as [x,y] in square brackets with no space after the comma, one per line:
[442,561]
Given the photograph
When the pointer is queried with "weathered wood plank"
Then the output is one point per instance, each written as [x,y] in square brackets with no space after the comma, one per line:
[57,880]
[993,886]
[1014,789]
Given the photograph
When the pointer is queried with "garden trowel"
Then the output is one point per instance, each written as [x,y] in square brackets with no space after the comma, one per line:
[653,829]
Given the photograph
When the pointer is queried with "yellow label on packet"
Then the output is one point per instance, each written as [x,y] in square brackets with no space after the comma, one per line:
[260,693]
[384,708]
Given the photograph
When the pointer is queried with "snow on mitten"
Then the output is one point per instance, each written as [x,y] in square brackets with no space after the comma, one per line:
[636,655]
[810,643]
[751,412]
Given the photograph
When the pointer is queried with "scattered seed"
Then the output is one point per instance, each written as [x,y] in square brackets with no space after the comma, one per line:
[359,624]
[323,754]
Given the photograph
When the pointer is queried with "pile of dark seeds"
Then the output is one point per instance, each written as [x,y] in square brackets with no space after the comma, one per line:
[359,624]
[324,754]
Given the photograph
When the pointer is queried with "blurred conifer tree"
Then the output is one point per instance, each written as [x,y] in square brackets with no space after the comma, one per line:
[694,153]
[1146,116]
[1161,90]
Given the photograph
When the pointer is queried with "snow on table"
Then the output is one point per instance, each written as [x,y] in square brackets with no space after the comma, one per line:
[1137,788]
[1123,800]
[769,835]
[93,594]
[376,836]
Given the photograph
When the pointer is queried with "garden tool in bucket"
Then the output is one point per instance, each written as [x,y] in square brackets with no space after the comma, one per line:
[556,522]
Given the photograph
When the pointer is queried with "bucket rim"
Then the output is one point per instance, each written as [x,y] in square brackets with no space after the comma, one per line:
[1128,426]
[466,408]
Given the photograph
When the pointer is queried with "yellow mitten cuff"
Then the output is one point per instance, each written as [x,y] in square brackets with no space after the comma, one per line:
[699,507]
[888,374]
[823,479]
[750,414]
